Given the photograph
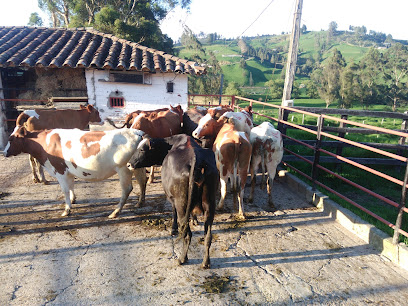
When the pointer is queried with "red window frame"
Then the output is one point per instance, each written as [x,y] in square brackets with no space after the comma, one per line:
[117,102]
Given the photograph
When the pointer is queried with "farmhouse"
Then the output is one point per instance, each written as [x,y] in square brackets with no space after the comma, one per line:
[117,76]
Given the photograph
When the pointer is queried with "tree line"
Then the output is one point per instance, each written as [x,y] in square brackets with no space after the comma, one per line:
[134,20]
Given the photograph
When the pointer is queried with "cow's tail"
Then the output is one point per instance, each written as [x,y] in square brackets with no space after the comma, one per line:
[189,207]
[235,177]
[110,121]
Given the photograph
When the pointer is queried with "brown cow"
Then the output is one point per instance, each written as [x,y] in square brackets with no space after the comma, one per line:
[42,119]
[159,124]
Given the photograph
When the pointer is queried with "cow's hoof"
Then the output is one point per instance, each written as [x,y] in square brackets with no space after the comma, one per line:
[46,182]
[240,218]
[114,214]
[205,265]
[66,213]
[220,208]
[36,180]
[181,262]
[174,232]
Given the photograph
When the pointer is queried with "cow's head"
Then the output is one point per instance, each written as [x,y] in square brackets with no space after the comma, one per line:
[93,114]
[177,110]
[208,126]
[15,143]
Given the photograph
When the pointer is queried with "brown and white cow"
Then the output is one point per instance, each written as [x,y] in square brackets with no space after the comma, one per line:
[70,153]
[42,119]
[232,153]
[210,124]
[267,152]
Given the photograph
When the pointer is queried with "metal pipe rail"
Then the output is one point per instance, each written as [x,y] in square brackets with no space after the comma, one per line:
[315,164]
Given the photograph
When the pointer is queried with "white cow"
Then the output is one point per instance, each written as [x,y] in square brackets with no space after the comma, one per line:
[88,155]
[267,152]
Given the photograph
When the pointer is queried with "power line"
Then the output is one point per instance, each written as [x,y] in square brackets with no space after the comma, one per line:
[257,18]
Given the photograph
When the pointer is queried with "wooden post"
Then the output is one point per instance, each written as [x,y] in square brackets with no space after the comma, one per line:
[339,149]
[316,159]
[293,50]
[398,222]
[3,119]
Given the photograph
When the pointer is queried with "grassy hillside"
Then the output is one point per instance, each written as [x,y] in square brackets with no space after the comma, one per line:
[228,53]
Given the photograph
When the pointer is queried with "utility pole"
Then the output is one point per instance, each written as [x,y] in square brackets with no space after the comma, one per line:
[293,50]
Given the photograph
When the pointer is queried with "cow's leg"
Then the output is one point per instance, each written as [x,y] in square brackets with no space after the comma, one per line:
[125,178]
[253,179]
[223,186]
[208,221]
[242,177]
[174,227]
[141,179]
[41,173]
[67,185]
[151,175]
[271,166]
[33,166]
[263,169]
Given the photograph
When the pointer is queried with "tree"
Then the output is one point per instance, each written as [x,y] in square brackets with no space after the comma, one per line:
[276,88]
[233,89]
[209,83]
[35,20]
[370,78]
[327,78]
[135,20]
[349,84]
[59,11]
[395,72]
[303,29]
[332,30]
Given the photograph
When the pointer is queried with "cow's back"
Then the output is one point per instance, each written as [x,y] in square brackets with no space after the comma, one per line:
[96,155]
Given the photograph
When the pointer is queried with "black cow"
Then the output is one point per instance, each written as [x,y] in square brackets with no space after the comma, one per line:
[190,181]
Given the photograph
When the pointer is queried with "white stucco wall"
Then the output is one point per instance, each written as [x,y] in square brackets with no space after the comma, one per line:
[136,96]
[3,122]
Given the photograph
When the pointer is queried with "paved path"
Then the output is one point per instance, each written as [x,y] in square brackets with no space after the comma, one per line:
[295,255]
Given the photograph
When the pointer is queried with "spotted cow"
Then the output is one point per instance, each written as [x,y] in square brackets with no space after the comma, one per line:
[209,126]
[267,152]
[41,119]
[232,153]
[70,153]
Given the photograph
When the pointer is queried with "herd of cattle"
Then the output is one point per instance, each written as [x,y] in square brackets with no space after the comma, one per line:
[196,149]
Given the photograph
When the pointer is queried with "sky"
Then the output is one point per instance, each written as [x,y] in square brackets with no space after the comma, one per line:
[234,18]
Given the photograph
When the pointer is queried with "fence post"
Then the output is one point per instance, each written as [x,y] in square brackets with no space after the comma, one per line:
[339,149]
[398,222]
[283,116]
[402,140]
[315,172]
[233,102]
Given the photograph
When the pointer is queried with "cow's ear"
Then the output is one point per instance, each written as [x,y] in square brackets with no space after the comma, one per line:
[223,120]
[231,120]
[81,106]
[89,107]
[22,132]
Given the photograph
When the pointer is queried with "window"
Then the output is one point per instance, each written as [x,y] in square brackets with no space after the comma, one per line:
[116,102]
[133,78]
[170,87]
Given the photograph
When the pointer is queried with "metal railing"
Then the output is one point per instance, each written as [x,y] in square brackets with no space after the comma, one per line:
[283,123]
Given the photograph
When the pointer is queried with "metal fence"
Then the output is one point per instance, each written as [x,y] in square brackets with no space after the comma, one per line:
[319,131]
